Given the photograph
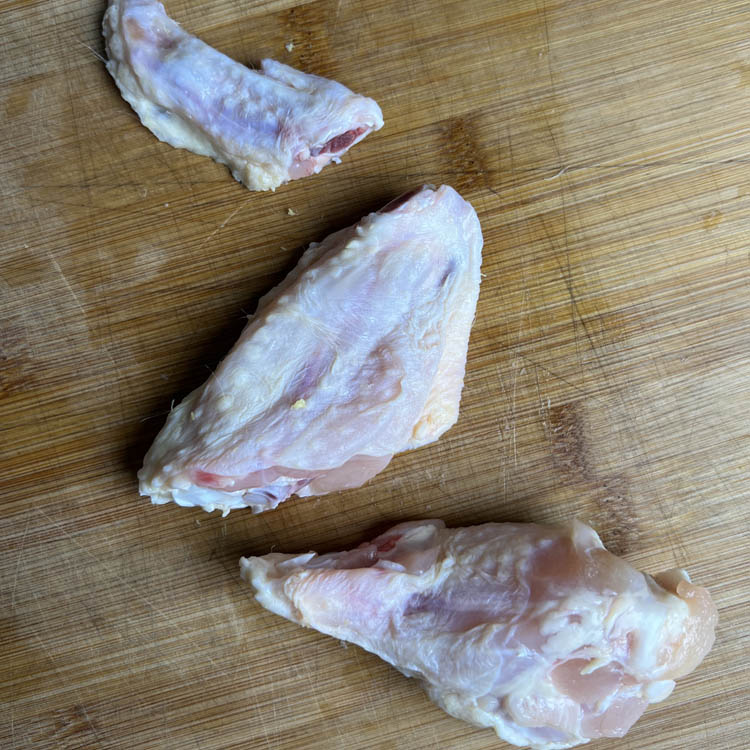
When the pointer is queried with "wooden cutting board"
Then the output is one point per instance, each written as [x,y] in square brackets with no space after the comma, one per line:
[606,148]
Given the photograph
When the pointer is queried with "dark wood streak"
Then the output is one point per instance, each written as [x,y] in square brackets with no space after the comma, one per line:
[463,153]
[306,27]
[615,517]
[16,365]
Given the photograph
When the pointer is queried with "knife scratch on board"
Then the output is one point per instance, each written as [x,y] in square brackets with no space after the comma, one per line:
[18,566]
[67,283]
[93,52]
[79,705]
[129,586]
[225,222]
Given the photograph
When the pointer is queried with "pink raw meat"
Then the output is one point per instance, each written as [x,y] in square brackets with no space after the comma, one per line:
[535,631]
[268,126]
[358,354]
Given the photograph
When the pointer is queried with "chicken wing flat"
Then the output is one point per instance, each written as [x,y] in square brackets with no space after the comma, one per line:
[358,354]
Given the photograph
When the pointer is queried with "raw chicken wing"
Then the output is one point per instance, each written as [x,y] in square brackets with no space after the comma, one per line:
[358,354]
[537,632]
[268,126]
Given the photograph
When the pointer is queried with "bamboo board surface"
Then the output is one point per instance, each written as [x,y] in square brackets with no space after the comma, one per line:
[606,148]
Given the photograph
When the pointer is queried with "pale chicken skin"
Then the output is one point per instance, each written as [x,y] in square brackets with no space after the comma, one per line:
[268,126]
[535,631]
[358,354]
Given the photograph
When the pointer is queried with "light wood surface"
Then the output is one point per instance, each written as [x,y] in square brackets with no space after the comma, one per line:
[605,145]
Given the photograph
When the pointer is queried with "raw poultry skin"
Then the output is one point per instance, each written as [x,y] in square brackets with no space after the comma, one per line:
[535,631]
[268,126]
[358,354]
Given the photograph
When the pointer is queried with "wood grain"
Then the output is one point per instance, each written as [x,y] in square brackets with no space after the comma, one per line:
[606,148]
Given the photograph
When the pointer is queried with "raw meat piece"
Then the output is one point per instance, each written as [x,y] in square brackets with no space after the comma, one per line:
[358,354]
[267,126]
[536,631]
